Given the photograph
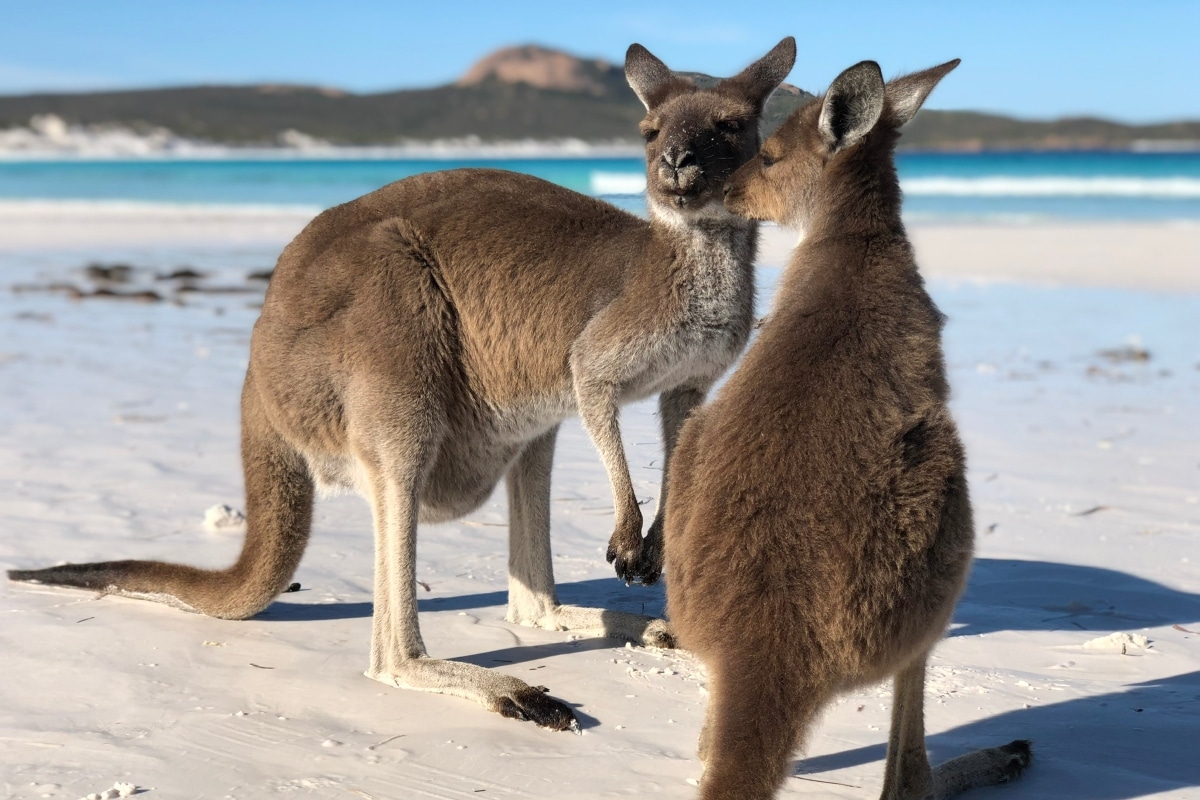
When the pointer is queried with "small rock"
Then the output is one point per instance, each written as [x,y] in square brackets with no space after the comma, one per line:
[223,518]
[183,274]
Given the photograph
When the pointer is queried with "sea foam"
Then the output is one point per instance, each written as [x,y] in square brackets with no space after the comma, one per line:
[1054,186]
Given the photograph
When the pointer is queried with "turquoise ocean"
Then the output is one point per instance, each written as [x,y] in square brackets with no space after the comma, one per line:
[938,187]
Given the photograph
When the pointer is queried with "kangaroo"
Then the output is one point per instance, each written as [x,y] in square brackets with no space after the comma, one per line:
[818,529]
[421,342]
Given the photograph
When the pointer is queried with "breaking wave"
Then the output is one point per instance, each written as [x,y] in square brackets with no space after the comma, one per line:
[617,183]
[626,183]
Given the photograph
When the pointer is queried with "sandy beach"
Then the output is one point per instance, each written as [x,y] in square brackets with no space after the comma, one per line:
[1146,256]
[1074,353]
[1153,256]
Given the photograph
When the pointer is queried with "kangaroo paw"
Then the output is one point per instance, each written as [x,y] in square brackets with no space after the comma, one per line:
[636,560]
[647,567]
[636,565]
[621,558]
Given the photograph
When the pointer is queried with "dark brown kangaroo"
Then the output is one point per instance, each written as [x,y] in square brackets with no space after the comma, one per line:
[818,529]
[423,341]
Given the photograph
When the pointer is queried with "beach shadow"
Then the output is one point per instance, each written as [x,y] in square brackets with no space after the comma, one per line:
[1001,595]
[285,611]
[606,593]
[1133,743]
[1047,596]
[526,653]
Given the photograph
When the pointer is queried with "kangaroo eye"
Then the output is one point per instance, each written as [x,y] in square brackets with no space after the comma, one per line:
[650,135]
[730,125]
[766,159]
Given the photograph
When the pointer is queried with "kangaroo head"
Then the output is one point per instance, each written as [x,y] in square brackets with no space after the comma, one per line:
[696,137]
[859,118]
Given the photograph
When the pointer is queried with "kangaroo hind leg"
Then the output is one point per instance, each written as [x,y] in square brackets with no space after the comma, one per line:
[532,599]
[398,654]
[279,498]
[908,775]
[757,717]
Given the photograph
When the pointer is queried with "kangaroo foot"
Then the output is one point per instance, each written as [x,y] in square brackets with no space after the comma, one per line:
[656,633]
[534,705]
[1012,759]
[493,690]
[987,767]
[635,628]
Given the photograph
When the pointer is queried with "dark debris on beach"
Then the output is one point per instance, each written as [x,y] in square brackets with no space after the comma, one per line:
[123,281]
[1126,354]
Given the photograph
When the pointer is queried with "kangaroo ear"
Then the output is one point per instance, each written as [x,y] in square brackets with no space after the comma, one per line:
[906,94]
[764,76]
[647,76]
[851,106]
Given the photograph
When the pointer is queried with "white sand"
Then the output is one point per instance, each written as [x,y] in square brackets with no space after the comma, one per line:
[35,226]
[1156,256]
[118,428]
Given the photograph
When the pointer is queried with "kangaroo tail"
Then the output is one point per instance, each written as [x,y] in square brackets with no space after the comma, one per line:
[279,500]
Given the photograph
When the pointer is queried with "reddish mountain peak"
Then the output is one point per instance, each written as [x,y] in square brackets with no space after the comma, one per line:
[544,68]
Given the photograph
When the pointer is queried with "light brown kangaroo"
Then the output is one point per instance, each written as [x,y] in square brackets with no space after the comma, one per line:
[421,342]
[818,529]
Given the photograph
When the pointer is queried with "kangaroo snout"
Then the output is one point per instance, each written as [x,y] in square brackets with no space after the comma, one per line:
[679,170]
[676,158]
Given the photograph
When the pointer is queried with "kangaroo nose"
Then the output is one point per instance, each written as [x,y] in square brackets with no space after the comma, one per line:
[678,157]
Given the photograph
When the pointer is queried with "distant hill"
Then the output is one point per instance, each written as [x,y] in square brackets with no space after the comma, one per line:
[973,131]
[517,93]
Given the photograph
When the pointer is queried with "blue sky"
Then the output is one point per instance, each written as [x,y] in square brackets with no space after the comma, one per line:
[1131,61]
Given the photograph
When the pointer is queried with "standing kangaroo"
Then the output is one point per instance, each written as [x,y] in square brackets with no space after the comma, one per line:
[818,529]
[421,342]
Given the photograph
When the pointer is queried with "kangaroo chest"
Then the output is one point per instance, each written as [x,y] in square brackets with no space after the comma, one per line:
[715,311]
[690,334]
